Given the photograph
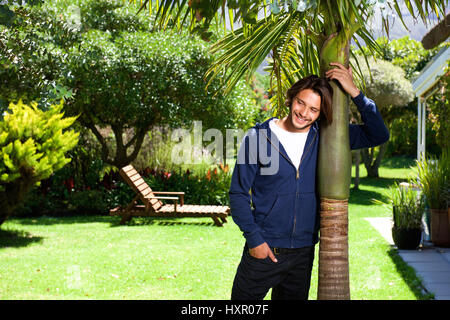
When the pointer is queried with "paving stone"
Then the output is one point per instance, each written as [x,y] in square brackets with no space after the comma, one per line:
[446,256]
[420,256]
[431,266]
[434,277]
[440,289]
[442,297]
[383,226]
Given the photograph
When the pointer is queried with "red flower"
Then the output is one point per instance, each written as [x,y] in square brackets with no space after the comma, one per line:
[69,184]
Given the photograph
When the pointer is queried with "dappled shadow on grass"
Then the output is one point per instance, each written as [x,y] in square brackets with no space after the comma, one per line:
[398,162]
[379,182]
[164,221]
[17,238]
[409,275]
[46,221]
[113,221]
[362,196]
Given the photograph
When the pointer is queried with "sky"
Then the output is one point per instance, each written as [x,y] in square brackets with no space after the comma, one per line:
[417,29]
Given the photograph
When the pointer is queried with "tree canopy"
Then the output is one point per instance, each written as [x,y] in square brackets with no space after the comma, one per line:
[115,72]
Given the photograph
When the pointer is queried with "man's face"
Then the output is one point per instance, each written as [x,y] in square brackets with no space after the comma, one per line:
[305,110]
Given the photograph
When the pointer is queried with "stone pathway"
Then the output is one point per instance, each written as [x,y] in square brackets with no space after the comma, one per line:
[432,264]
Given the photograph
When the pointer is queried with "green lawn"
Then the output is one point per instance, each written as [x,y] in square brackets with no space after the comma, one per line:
[95,258]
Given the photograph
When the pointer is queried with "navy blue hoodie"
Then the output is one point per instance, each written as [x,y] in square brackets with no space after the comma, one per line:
[281,207]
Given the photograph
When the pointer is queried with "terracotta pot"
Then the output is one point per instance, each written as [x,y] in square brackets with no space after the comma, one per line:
[440,227]
[406,239]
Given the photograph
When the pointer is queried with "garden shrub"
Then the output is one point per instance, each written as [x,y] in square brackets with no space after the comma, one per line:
[205,187]
[33,144]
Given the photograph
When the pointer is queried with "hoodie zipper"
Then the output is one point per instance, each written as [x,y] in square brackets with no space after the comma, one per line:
[296,192]
[296,177]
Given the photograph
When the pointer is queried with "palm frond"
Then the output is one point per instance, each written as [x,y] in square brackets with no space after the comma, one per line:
[424,9]
[245,50]
[293,38]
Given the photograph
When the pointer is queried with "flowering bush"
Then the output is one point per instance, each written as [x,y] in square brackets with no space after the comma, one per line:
[210,187]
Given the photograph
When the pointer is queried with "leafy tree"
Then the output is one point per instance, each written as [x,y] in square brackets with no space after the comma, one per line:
[410,55]
[30,69]
[32,147]
[303,37]
[116,74]
[404,52]
[386,84]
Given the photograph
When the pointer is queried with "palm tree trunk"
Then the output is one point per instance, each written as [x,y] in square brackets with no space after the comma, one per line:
[334,165]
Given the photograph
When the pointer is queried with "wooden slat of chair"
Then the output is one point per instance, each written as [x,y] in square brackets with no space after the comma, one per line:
[178,193]
[135,177]
[139,182]
[140,186]
[215,209]
[127,168]
[146,192]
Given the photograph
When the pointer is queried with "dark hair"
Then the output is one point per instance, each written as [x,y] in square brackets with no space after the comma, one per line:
[319,86]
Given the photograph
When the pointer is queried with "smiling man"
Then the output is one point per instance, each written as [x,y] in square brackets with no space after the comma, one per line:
[277,211]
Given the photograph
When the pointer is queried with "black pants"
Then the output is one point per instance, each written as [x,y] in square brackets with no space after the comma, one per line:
[289,278]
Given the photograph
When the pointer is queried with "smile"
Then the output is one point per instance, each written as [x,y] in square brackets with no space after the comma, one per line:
[300,120]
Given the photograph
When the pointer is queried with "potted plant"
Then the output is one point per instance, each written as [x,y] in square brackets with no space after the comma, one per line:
[407,207]
[434,179]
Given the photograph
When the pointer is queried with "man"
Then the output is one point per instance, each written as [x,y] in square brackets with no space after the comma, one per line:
[277,164]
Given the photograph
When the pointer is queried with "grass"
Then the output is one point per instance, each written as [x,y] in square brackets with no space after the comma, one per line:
[190,258]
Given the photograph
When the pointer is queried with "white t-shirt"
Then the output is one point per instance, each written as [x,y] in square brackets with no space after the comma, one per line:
[293,142]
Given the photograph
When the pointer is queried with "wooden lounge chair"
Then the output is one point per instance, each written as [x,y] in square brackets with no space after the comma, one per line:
[153,207]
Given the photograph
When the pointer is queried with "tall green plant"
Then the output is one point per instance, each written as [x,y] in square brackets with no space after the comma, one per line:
[406,204]
[434,178]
